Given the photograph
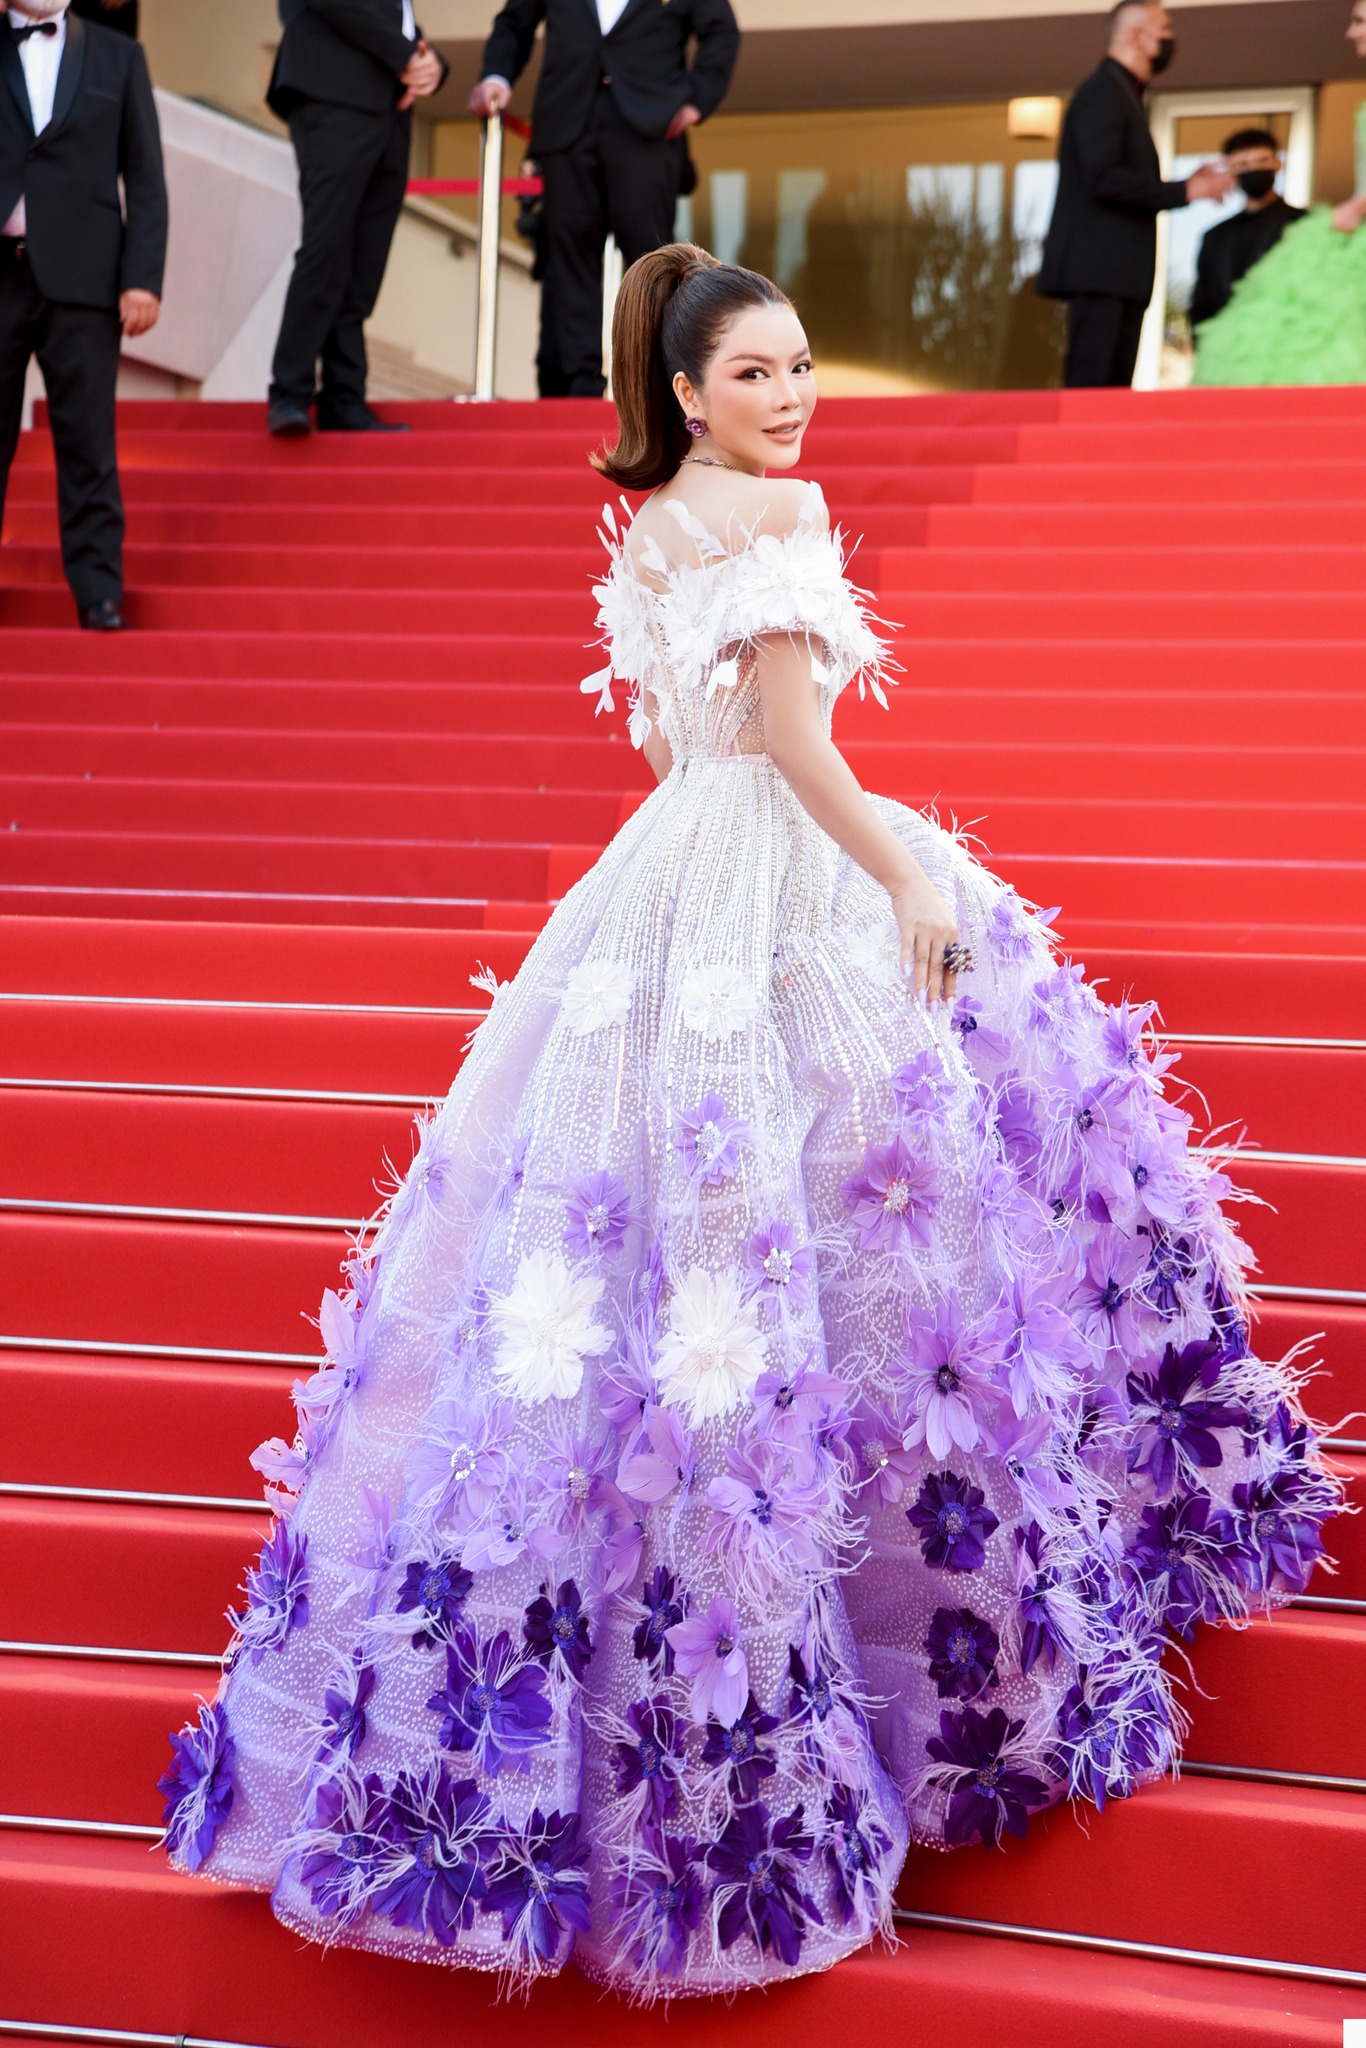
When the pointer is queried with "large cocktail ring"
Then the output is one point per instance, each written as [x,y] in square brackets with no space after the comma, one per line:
[958,958]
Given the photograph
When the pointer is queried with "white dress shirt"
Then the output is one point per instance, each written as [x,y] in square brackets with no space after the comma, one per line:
[409,21]
[41,57]
[610,13]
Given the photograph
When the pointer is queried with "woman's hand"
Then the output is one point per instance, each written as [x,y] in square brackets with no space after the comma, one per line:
[926,925]
[1348,217]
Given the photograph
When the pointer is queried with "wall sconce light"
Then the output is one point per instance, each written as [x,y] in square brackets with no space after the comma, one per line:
[1034,120]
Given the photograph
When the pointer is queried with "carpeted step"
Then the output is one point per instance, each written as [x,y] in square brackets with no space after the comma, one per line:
[1064,567]
[1065,615]
[1237,523]
[587,761]
[1171,1865]
[308,564]
[1018,708]
[1091,825]
[216,1947]
[292,1159]
[142,1424]
[1289,1098]
[414,1057]
[217,1285]
[934,666]
[1246,1692]
[1284,481]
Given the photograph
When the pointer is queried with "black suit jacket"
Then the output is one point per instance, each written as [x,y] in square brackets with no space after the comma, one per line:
[1103,234]
[81,248]
[348,53]
[644,60]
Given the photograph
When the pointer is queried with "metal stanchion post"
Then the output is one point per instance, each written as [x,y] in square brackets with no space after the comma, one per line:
[486,299]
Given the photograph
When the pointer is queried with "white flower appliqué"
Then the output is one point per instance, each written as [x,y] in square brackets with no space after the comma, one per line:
[546,1329]
[717,1001]
[596,993]
[875,951]
[713,1349]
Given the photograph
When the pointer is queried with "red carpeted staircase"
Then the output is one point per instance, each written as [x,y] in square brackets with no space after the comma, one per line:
[250,854]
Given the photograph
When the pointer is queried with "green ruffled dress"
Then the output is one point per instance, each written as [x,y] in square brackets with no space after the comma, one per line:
[1299,316]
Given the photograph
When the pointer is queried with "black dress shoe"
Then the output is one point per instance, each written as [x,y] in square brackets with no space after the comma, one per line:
[102,618]
[288,419]
[359,420]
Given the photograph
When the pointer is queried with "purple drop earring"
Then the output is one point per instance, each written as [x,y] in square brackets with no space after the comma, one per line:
[697,428]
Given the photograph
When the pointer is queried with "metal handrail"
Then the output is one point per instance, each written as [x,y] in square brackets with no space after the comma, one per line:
[486,288]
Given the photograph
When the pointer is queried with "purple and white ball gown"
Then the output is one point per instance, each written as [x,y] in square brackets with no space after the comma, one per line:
[772,1423]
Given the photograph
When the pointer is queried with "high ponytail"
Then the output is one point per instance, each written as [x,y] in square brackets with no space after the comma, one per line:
[673,307]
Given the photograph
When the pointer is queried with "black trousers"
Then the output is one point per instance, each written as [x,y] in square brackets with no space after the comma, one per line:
[1102,341]
[352,172]
[613,181]
[78,353]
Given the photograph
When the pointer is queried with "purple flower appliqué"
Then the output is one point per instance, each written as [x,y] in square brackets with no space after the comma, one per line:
[973,1033]
[463,1458]
[884,1464]
[598,1215]
[918,1088]
[893,1198]
[758,1866]
[963,1649]
[437,1592]
[650,1756]
[650,1638]
[766,1509]
[1090,1753]
[795,1409]
[197,1786]
[663,1465]
[493,1702]
[442,1823]
[709,1142]
[344,1703]
[953,1522]
[940,1378]
[277,1593]
[1040,1632]
[658,1903]
[990,1791]
[1170,1283]
[707,1651]
[1174,1419]
[538,1884]
[1041,1345]
[1105,1299]
[349,1837]
[738,1749]
[1183,1557]
[556,1631]
[1274,1526]
[780,1266]
[854,1847]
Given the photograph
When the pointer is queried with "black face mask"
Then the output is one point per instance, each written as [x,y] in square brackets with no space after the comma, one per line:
[1257,184]
[1166,50]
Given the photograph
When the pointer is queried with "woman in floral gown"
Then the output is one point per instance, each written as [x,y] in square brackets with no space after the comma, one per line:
[803,1381]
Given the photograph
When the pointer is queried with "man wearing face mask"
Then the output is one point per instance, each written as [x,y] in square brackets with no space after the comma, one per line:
[1101,252]
[1231,247]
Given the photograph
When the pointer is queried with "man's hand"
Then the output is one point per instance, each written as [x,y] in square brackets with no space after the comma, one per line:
[139,312]
[686,117]
[490,96]
[1211,181]
[420,76]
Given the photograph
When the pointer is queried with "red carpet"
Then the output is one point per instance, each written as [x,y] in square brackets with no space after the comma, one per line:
[256,847]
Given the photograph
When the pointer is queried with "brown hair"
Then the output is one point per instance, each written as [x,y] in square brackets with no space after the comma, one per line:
[673,307]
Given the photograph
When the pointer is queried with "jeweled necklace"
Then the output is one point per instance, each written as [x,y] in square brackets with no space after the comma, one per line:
[714,462]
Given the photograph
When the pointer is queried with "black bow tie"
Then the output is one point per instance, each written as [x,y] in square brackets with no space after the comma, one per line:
[34,28]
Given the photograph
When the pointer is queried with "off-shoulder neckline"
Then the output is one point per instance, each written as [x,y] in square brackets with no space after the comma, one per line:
[713,552]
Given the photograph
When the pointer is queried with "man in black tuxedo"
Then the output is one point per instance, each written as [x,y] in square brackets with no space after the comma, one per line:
[77,269]
[1101,251]
[616,93]
[346,75]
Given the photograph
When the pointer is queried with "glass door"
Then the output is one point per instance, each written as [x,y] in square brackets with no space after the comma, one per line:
[1189,129]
